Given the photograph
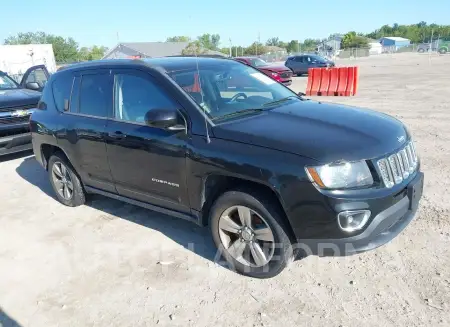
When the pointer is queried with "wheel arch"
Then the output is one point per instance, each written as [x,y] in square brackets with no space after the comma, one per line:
[215,185]
[47,150]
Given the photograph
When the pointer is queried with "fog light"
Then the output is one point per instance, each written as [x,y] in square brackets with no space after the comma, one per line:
[350,221]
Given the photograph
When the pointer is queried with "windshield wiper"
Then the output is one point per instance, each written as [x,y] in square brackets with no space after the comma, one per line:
[237,113]
[281,100]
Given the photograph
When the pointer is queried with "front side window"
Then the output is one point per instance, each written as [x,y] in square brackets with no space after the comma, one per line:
[135,95]
[226,88]
[6,82]
[95,95]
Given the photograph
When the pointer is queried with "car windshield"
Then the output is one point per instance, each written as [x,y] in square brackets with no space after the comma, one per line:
[6,82]
[224,89]
[256,62]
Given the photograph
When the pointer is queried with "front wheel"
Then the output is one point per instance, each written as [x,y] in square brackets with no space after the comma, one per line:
[250,235]
[443,51]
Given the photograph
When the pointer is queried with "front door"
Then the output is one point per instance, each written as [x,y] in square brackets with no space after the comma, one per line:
[147,164]
[35,78]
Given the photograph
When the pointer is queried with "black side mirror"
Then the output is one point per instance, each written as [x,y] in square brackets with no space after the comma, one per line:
[164,118]
[32,86]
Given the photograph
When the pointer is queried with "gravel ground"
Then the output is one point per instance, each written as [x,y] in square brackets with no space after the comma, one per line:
[113,264]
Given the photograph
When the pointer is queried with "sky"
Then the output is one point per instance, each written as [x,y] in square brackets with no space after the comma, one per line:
[103,22]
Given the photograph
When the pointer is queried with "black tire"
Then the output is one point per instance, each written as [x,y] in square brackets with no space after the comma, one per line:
[421,50]
[78,195]
[443,51]
[299,74]
[269,210]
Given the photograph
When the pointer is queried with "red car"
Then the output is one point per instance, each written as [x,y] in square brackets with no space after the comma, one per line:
[280,73]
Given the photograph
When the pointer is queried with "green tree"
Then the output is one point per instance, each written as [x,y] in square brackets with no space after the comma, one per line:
[178,39]
[256,48]
[194,48]
[209,41]
[309,45]
[65,49]
[293,46]
[273,41]
[353,40]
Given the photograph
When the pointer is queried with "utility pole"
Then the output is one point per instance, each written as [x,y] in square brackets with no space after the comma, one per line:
[298,46]
[259,41]
[230,48]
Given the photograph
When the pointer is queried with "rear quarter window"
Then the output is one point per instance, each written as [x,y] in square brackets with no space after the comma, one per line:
[62,87]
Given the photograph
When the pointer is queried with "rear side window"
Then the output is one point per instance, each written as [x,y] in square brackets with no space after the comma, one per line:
[62,87]
[95,95]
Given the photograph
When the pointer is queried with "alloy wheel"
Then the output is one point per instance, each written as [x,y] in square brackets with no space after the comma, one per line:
[246,236]
[62,180]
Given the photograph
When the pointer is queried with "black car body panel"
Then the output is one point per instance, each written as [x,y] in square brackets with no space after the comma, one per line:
[325,132]
[180,171]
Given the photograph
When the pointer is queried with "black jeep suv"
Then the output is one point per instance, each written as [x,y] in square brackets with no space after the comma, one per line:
[218,143]
[17,102]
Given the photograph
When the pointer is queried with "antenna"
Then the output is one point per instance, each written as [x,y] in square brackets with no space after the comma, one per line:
[208,140]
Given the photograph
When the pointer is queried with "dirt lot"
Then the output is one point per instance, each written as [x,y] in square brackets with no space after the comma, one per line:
[111,264]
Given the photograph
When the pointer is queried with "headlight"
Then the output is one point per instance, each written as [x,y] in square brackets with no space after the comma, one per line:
[341,175]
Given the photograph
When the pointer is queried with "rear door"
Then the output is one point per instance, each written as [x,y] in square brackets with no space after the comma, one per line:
[84,121]
[36,74]
[298,66]
[147,164]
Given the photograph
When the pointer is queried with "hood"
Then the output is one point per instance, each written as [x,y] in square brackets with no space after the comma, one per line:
[275,68]
[18,97]
[324,132]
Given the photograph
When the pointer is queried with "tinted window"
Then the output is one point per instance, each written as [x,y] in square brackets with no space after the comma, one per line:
[135,95]
[62,86]
[95,95]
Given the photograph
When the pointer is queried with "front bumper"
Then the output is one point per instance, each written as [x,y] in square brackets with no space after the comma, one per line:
[14,138]
[385,226]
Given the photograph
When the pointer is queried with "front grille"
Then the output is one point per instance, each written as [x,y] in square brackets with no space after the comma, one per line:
[12,109]
[14,120]
[398,166]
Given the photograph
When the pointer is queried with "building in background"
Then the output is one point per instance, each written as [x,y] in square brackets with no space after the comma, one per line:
[375,47]
[136,50]
[16,59]
[394,42]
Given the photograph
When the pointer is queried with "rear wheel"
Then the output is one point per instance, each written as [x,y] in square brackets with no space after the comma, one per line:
[65,181]
[251,235]
[421,50]
[442,50]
